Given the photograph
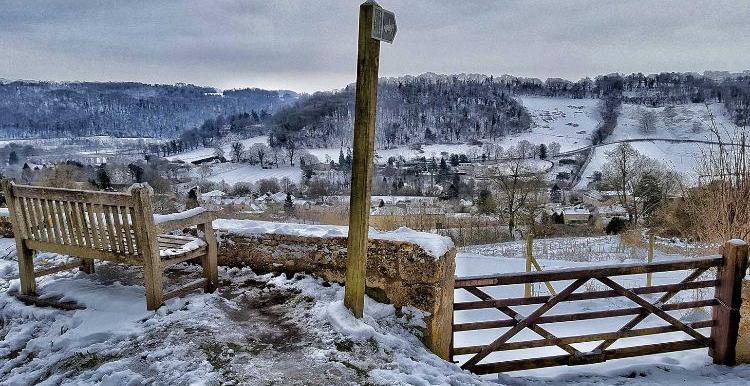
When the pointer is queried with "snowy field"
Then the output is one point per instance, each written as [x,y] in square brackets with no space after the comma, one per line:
[232,173]
[680,122]
[566,121]
[688,121]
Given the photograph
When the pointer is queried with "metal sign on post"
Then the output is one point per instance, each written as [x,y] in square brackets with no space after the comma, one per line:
[384,25]
[375,24]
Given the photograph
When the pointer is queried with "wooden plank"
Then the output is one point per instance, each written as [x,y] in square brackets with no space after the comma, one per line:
[39,219]
[57,221]
[73,228]
[190,287]
[654,309]
[582,338]
[117,235]
[523,323]
[147,245]
[33,219]
[210,265]
[96,230]
[127,229]
[199,218]
[581,273]
[57,268]
[75,250]
[366,95]
[492,303]
[586,315]
[106,228]
[48,225]
[60,194]
[516,316]
[131,221]
[168,261]
[729,298]
[81,218]
[51,221]
[562,360]
[24,254]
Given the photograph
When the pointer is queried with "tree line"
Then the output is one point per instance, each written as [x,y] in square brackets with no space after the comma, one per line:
[47,109]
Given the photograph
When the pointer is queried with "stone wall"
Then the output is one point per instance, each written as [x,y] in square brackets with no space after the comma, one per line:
[400,273]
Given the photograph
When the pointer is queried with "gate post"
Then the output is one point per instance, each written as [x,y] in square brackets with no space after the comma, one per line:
[726,313]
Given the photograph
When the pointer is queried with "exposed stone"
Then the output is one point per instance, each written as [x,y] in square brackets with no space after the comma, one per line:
[400,273]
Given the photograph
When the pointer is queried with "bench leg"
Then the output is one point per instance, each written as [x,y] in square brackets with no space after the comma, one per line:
[87,265]
[209,261]
[26,270]
[153,279]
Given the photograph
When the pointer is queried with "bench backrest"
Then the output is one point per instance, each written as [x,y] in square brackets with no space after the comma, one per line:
[104,223]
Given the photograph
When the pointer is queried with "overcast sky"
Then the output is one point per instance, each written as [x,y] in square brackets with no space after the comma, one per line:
[311,45]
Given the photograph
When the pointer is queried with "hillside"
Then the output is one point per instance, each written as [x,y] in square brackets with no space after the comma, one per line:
[423,109]
[46,109]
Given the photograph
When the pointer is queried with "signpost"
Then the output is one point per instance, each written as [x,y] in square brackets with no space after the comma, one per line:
[375,25]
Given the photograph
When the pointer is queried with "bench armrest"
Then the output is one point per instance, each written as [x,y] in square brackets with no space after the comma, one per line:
[174,221]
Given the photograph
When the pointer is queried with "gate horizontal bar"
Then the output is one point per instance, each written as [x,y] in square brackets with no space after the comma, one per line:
[581,315]
[582,338]
[507,302]
[586,273]
[563,360]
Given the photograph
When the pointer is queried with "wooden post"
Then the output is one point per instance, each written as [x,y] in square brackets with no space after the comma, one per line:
[210,271]
[368,53]
[529,257]
[146,234]
[726,314]
[650,259]
[25,255]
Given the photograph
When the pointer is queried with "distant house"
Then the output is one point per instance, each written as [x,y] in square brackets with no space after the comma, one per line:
[576,215]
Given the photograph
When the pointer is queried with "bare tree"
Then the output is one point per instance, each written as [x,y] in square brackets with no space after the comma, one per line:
[519,185]
[647,121]
[620,171]
[259,151]
[720,204]
[237,149]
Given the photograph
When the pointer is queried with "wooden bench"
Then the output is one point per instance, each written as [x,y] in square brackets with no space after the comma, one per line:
[117,227]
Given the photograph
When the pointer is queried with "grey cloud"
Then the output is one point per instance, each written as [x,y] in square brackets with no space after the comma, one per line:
[308,45]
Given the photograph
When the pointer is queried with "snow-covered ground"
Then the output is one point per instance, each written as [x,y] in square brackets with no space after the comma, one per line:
[566,121]
[680,122]
[267,329]
[255,330]
[232,173]
[688,121]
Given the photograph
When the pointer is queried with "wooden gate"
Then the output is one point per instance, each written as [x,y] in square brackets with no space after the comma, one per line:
[731,267]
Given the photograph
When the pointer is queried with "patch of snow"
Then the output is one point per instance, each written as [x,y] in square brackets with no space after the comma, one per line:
[433,244]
